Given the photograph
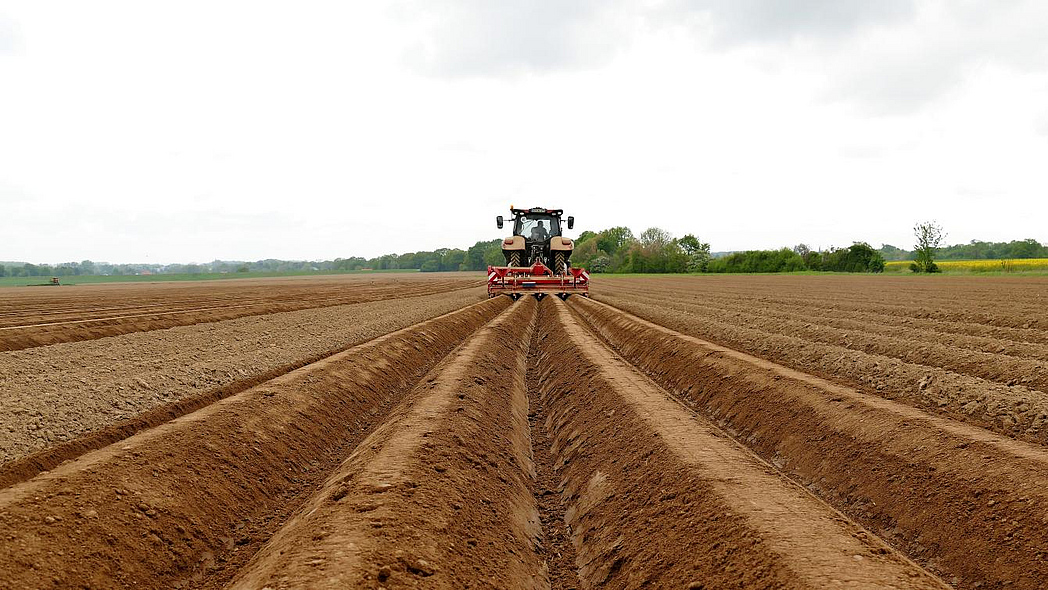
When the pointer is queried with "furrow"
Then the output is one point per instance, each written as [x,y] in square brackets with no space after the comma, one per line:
[439,496]
[174,505]
[557,548]
[945,299]
[913,331]
[659,497]
[54,395]
[964,502]
[1014,410]
[21,337]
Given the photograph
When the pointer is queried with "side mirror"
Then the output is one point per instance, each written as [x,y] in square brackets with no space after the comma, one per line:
[571,221]
[498,221]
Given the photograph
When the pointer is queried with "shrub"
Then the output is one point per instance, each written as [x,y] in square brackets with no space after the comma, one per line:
[784,260]
[859,257]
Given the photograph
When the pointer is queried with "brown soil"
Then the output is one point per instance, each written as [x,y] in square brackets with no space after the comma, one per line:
[1007,406]
[57,394]
[981,338]
[911,346]
[556,549]
[992,302]
[746,432]
[989,306]
[38,316]
[661,498]
[440,495]
[968,504]
[166,507]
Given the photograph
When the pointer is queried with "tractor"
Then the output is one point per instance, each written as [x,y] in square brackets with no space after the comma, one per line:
[537,257]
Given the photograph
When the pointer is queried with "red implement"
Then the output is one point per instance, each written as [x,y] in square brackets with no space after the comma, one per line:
[538,280]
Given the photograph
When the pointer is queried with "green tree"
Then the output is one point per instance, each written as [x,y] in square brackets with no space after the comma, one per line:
[655,237]
[697,252]
[482,254]
[584,253]
[1025,249]
[929,237]
[494,256]
[784,260]
[614,239]
[859,257]
[408,260]
[586,235]
[655,252]
[812,260]
[451,259]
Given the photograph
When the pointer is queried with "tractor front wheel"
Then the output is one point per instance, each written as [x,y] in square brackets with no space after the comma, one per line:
[514,259]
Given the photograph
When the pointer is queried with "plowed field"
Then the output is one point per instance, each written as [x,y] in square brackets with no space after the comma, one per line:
[404,431]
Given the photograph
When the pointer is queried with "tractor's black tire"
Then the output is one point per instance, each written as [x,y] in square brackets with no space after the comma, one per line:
[560,263]
[514,259]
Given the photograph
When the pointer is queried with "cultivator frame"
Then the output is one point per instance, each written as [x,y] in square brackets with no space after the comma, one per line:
[536,280]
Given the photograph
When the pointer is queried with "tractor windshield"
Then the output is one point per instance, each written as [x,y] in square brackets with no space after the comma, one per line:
[529,227]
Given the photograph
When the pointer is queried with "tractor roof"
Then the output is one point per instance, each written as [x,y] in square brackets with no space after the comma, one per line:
[542,210]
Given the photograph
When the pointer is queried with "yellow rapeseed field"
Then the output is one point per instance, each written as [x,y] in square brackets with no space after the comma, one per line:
[1008,265]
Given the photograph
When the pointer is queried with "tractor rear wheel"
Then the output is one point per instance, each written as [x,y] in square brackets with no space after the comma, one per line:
[514,259]
[560,263]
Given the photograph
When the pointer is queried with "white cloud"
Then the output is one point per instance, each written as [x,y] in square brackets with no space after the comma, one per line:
[768,21]
[902,69]
[481,38]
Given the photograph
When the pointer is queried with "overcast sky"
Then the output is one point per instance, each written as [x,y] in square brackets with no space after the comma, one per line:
[188,131]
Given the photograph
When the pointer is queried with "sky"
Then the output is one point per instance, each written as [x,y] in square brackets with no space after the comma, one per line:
[192,131]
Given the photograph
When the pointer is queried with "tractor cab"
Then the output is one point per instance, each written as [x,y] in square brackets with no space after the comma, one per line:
[536,227]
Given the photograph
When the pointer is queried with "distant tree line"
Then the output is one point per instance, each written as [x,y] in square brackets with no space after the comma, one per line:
[975,250]
[476,257]
[655,251]
[859,257]
[613,250]
[66,269]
